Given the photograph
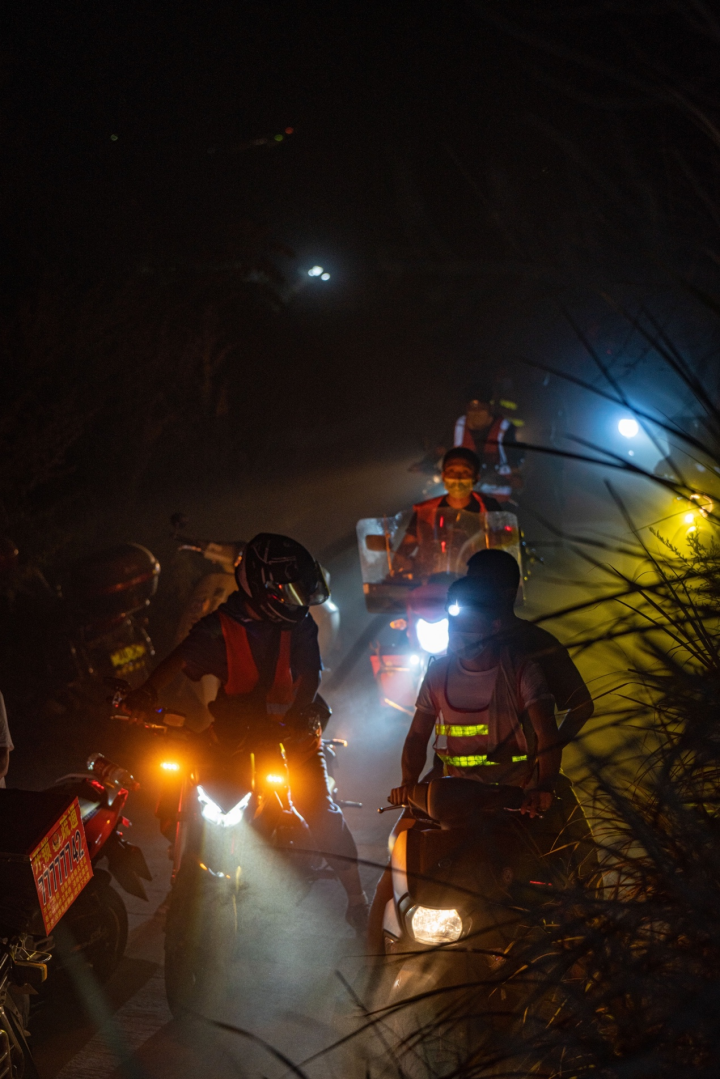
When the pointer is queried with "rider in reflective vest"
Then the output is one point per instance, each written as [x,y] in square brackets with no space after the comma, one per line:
[492,437]
[432,519]
[262,646]
[492,713]
[491,709]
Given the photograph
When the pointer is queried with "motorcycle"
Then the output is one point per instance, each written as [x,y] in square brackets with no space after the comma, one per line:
[90,624]
[97,923]
[215,588]
[463,877]
[227,809]
[103,596]
[413,591]
[44,870]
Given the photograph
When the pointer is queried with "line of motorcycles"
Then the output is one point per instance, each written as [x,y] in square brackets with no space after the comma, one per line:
[225,807]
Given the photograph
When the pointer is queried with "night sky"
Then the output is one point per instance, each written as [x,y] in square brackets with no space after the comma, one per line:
[463,170]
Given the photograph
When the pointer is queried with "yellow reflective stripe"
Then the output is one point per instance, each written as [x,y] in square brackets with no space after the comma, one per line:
[473,761]
[453,730]
[465,762]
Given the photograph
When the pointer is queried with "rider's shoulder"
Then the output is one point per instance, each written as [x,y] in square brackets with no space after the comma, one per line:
[207,626]
[534,641]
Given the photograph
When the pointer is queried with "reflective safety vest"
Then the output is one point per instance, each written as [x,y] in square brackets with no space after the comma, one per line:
[493,456]
[243,675]
[494,738]
[493,452]
[429,518]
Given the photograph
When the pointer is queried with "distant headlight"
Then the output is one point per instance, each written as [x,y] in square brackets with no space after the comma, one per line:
[214,814]
[628,427]
[432,636]
[430,926]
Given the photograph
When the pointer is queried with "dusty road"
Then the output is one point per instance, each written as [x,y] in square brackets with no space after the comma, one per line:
[292,987]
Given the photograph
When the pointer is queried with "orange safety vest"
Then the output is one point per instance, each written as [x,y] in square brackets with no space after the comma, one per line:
[243,675]
[493,451]
[426,511]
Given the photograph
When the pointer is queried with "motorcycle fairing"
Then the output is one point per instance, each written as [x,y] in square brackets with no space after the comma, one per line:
[469,869]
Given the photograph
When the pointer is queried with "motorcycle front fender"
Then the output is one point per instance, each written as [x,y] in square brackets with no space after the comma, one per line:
[127,864]
[426,972]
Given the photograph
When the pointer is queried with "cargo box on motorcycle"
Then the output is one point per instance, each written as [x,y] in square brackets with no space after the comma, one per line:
[44,860]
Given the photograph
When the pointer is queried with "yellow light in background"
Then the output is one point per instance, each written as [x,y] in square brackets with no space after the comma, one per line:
[275,779]
[689,518]
[170,766]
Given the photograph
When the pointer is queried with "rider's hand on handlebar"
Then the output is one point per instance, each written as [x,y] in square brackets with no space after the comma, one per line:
[536,802]
[398,796]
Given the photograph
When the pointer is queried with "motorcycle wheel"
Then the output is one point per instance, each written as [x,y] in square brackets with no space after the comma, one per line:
[16,1061]
[200,936]
[428,1028]
[108,948]
[98,925]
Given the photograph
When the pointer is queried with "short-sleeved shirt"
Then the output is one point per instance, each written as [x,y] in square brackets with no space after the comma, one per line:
[563,679]
[203,650]
[470,691]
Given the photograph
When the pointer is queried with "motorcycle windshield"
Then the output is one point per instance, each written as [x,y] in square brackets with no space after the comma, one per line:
[399,553]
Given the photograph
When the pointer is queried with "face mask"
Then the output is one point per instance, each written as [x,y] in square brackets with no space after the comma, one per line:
[466,645]
[459,488]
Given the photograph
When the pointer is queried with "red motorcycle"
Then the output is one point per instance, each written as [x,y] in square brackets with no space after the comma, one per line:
[97,921]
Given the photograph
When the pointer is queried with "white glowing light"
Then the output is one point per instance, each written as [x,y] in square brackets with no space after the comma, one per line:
[315,271]
[435,926]
[689,518]
[432,636]
[454,609]
[214,814]
[414,660]
[628,427]
[324,276]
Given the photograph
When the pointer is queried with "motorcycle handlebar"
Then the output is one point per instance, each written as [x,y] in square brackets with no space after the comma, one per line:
[136,721]
[452,797]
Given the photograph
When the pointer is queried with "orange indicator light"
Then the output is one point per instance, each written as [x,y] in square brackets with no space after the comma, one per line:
[275,779]
[170,766]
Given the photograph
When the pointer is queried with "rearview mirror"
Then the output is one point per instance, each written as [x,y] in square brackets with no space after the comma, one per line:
[376,543]
[174,719]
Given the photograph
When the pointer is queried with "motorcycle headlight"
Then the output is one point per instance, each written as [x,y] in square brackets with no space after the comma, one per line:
[430,926]
[432,636]
[212,812]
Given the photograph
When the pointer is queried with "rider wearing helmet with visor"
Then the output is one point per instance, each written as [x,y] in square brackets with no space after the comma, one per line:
[262,646]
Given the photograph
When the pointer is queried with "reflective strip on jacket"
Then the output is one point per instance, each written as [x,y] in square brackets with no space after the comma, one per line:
[498,740]
[493,452]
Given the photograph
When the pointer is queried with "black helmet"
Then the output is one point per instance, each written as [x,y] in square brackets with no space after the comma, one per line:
[281,578]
